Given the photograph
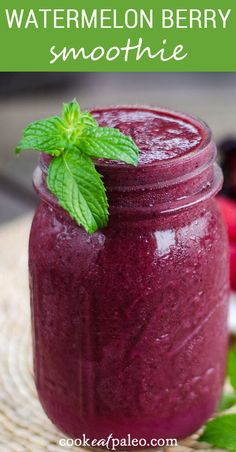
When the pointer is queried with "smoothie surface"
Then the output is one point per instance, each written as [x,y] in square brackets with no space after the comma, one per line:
[159,135]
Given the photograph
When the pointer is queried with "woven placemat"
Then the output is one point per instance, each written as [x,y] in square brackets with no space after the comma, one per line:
[23,424]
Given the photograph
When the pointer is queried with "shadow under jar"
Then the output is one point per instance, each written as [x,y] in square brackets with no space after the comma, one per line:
[130,323]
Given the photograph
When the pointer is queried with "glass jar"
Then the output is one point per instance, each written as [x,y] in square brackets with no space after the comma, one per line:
[130,323]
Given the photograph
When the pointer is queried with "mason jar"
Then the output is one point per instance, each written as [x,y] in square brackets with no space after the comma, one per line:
[130,323]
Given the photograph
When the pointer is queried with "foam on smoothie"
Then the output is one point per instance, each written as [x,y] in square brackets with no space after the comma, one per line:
[158,135]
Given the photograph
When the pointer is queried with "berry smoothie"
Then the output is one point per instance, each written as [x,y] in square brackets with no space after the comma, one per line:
[130,323]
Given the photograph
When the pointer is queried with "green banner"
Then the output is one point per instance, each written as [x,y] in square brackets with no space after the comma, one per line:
[118,35]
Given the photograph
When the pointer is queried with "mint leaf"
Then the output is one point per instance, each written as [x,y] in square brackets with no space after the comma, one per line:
[71,112]
[46,135]
[107,143]
[73,116]
[87,119]
[74,140]
[221,432]
[232,367]
[73,179]
[228,400]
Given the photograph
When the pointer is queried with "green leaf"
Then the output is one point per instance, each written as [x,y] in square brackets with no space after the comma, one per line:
[232,367]
[73,116]
[46,135]
[73,179]
[221,432]
[227,401]
[107,143]
[71,112]
[87,119]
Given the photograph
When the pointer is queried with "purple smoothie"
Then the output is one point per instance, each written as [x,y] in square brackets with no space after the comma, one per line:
[129,324]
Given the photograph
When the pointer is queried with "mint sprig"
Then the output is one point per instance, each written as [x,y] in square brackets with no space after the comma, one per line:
[44,136]
[221,431]
[74,140]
